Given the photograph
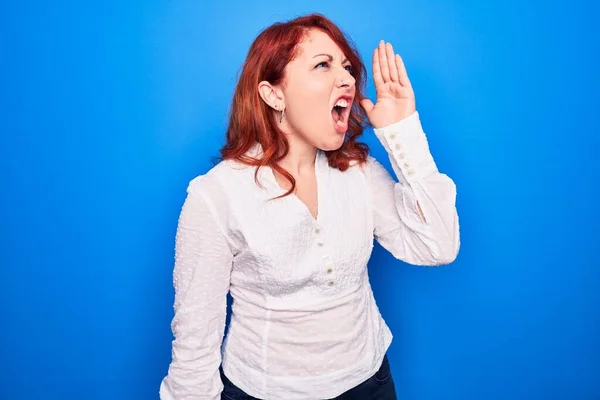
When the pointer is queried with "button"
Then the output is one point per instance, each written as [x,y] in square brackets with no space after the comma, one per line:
[407,164]
[398,146]
[392,136]
[410,172]
[330,283]
[317,230]
[329,270]
[320,244]
[401,156]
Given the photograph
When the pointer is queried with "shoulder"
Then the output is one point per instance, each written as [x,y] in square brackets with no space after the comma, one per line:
[225,171]
[216,190]
[224,188]
[206,182]
[368,171]
[363,167]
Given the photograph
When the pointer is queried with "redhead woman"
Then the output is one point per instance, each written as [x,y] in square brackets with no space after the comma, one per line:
[286,223]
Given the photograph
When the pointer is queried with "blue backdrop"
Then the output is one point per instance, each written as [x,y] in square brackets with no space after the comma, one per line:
[109,108]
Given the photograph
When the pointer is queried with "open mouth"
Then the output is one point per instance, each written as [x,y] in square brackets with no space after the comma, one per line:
[340,114]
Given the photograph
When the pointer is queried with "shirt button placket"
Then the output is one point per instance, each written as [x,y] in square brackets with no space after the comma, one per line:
[327,261]
[319,236]
[329,271]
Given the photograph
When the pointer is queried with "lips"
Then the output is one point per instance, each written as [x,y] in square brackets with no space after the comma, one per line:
[340,113]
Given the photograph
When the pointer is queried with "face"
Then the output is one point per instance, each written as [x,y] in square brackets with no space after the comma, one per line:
[317,80]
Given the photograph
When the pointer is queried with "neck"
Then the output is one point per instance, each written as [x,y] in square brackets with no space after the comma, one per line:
[300,158]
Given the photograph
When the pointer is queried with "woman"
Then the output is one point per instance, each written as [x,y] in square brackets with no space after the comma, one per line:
[286,223]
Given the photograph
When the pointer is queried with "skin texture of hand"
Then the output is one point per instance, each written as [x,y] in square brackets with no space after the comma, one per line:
[395,96]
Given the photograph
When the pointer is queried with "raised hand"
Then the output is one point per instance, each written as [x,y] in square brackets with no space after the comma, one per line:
[395,96]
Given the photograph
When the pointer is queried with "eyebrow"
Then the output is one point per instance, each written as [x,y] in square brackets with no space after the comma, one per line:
[330,57]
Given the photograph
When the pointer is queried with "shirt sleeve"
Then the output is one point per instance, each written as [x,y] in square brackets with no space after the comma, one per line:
[203,261]
[431,238]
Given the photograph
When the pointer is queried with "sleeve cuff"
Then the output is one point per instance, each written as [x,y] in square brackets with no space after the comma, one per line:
[407,148]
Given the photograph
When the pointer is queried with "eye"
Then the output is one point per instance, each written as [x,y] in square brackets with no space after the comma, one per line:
[350,69]
[324,63]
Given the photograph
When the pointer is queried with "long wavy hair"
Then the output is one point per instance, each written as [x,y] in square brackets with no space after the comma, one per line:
[251,120]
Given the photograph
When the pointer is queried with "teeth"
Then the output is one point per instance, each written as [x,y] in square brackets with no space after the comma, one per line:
[342,103]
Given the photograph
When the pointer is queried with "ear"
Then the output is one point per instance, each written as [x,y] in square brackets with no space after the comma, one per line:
[272,95]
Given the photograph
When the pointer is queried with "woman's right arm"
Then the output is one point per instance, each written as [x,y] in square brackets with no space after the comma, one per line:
[203,261]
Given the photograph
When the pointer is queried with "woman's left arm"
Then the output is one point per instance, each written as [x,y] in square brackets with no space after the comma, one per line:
[415,219]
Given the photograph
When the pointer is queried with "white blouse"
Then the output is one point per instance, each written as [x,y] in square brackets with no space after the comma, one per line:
[304,322]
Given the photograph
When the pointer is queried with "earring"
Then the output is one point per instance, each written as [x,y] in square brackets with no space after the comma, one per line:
[281,116]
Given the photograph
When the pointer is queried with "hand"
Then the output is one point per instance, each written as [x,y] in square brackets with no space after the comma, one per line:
[395,97]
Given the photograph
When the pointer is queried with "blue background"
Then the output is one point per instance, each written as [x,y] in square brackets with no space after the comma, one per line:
[108,109]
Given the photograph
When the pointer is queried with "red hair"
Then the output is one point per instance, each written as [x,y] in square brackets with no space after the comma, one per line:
[251,120]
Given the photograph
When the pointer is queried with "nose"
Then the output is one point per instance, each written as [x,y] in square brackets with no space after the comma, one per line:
[345,79]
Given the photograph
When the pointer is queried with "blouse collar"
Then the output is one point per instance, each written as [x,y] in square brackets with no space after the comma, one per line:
[267,177]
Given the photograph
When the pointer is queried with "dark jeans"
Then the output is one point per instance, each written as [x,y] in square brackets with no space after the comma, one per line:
[378,387]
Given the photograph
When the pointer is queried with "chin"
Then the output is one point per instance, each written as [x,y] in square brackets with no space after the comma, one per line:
[332,145]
